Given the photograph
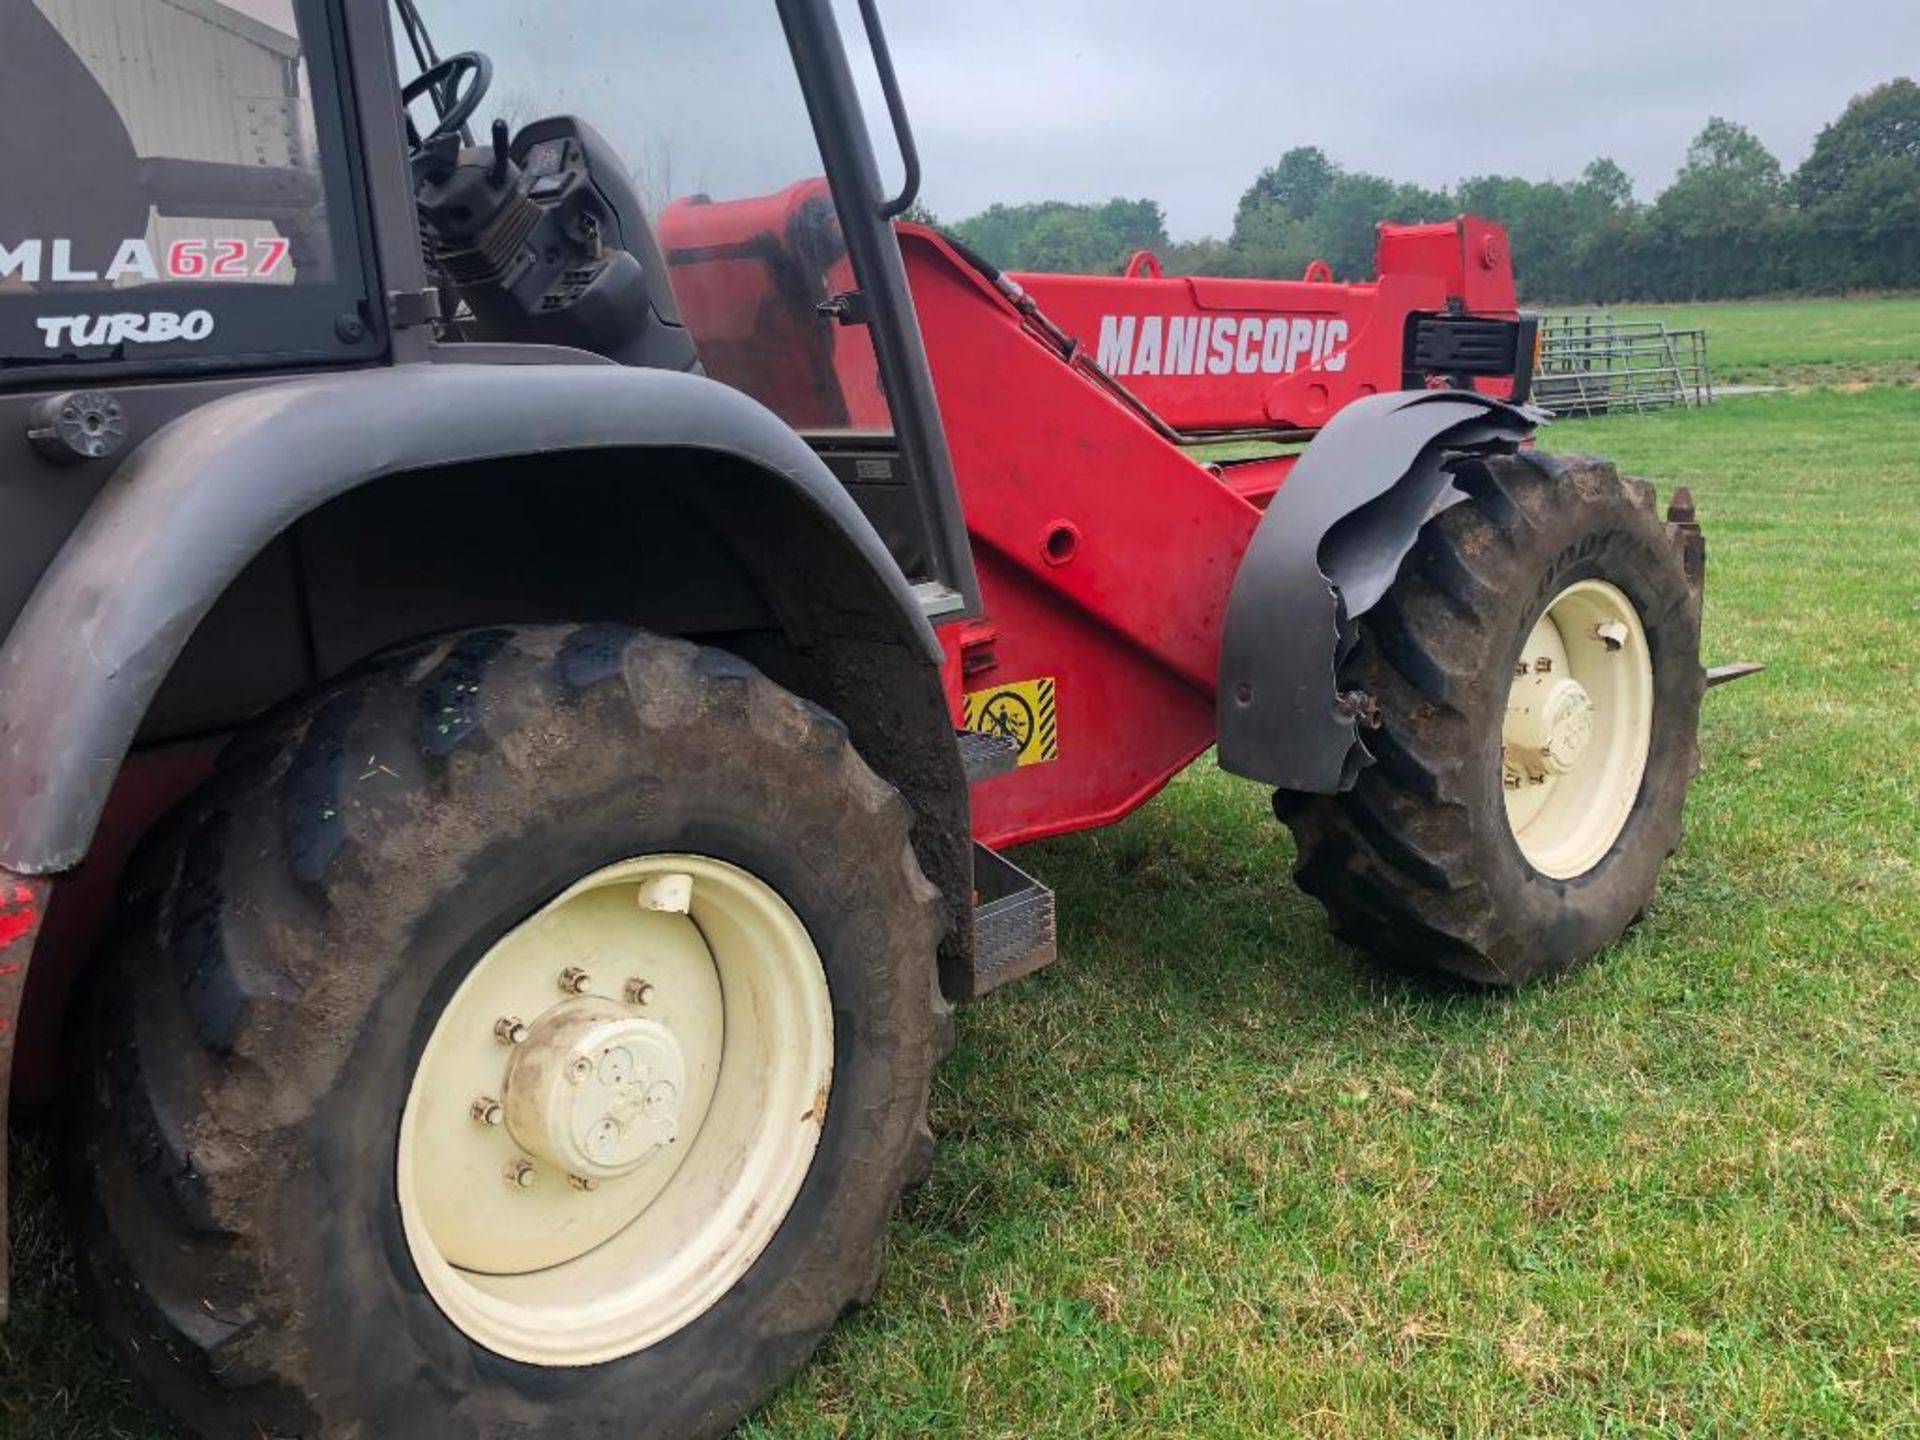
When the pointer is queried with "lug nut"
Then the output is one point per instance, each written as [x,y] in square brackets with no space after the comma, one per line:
[582,1182]
[580,1069]
[510,1030]
[575,981]
[639,992]
[520,1174]
[487,1111]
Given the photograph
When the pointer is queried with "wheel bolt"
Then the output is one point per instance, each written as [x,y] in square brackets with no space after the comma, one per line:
[510,1030]
[582,1182]
[487,1111]
[580,1069]
[575,981]
[520,1174]
[639,992]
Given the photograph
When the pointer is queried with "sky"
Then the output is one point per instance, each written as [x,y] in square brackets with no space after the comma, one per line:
[1186,101]
[1019,100]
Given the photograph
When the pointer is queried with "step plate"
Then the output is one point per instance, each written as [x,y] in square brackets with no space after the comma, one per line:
[984,756]
[1013,922]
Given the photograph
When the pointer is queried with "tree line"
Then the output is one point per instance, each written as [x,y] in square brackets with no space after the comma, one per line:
[1732,223]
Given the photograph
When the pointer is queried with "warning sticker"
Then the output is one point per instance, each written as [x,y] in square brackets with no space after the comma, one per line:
[1022,711]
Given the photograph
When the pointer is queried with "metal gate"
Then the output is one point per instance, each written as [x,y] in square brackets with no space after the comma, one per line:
[1594,364]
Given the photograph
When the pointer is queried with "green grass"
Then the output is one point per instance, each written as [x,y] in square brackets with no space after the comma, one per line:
[1803,342]
[1214,1175]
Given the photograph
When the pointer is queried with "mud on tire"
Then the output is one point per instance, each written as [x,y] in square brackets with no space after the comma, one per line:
[1417,863]
[295,930]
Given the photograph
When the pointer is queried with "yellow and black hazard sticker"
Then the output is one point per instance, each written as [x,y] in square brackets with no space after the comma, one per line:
[1022,711]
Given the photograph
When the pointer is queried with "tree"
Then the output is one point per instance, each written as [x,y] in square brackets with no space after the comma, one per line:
[1064,240]
[1867,235]
[1883,124]
[1729,177]
[1296,185]
[1722,228]
[1052,235]
[1343,228]
[1729,224]
[1134,225]
[1607,183]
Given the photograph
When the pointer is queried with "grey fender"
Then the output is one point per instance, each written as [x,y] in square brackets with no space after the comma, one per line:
[1323,554]
[193,505]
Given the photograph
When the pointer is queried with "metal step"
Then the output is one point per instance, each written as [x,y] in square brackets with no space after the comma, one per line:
[1013,923]
[937,600]
[984,756]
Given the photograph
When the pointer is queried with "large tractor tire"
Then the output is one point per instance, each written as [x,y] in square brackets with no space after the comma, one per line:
[1536,665]
[530,1035]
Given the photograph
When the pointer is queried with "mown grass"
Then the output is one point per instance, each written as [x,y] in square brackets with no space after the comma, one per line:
[1854,340]
[1215,1175]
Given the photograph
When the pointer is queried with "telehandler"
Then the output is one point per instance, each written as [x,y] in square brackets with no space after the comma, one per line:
[533,603]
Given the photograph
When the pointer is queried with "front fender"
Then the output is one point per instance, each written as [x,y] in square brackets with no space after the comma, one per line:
[1324,553]
[187,511]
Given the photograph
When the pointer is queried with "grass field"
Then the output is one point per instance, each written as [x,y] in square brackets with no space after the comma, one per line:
[1804,342]
[1213,1175]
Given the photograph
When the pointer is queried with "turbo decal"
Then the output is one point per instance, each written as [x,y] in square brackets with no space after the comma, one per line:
[52,262]
[155,327]
[1221,344]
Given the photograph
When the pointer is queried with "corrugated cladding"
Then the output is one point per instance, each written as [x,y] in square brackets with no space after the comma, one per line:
[192,79]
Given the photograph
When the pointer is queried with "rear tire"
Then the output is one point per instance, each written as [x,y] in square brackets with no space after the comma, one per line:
[298,942]
[1420,862]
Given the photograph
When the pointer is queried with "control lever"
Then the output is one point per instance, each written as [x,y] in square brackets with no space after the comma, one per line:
[502,139]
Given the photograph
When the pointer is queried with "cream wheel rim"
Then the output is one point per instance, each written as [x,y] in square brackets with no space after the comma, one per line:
[616,1110]
[1578,729]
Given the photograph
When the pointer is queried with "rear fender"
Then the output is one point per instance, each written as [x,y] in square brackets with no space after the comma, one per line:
[191,507]
[1324,553]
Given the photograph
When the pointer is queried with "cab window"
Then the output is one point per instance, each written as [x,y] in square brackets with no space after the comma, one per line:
[196,204]
[702,111]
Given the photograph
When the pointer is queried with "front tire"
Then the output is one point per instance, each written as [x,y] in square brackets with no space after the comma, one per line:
[1515,822]
[635,849]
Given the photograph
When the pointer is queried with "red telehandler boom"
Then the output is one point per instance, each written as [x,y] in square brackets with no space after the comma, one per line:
[1081,411]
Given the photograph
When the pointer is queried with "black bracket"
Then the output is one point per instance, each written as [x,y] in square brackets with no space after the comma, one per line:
[847,309]
[408,309]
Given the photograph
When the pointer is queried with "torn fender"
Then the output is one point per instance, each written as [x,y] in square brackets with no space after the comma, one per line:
[1326,550]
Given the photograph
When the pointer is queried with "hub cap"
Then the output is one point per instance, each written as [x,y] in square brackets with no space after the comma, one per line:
[595,1092]
[1579,724]
[615,1111]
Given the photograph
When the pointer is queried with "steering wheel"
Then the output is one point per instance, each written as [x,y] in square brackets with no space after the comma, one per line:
[444,80]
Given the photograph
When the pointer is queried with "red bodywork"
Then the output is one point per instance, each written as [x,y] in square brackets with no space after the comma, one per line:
[23,901]
[1105,549]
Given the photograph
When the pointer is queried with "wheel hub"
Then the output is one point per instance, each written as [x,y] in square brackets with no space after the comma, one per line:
[1578,728]
[595,1090]
[1549,725]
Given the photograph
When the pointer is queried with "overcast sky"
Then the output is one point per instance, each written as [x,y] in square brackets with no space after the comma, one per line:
[1020,100]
